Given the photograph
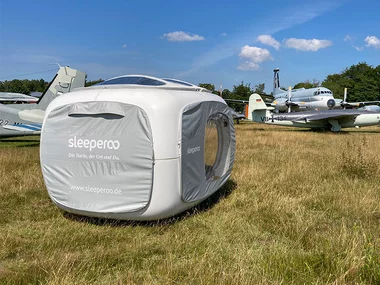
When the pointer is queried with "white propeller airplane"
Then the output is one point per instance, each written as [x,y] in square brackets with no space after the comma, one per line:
[317,98]
[334,120]
[26,119]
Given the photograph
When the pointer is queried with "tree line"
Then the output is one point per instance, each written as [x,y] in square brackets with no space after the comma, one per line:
[361,80]
[24,86]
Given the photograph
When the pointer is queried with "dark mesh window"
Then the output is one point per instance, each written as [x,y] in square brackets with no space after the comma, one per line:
[211,147]
[133,80]
[208,149]
[214,152]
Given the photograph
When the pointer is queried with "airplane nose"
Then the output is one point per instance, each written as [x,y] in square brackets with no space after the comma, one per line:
[331,103]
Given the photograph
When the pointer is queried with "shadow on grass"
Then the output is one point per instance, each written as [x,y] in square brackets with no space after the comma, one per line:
[204,206]
[345,131]
[19,143]
[342,132]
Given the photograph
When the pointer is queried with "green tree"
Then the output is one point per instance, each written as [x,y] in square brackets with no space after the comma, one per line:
[17,86]
[242,91]
[239,92]
[208,86]
[259,89]
[226,93]
[24,86]
[93,82]
[307,84]
[361,80]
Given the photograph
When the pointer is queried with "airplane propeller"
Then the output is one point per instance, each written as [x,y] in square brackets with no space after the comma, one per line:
[289,102]
[289,99]
[344,102]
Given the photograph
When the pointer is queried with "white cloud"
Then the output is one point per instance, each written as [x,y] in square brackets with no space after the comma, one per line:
[358,48]
[124,46]
[347,38]
[269,40]
[255,54]
[248,65]
[307,45]
[252,56]
[180,36]
[372,41]
[223,34]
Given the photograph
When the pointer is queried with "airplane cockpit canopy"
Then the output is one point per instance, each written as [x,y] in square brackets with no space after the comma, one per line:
[319,92]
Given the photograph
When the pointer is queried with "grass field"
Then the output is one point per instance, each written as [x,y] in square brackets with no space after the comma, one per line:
[301,207]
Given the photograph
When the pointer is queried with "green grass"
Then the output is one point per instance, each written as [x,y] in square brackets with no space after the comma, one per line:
[301,207]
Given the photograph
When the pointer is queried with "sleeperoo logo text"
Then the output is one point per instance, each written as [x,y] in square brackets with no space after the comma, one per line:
[93,144]
[192,150]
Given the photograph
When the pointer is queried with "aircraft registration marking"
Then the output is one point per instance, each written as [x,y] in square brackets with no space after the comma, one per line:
[3,122]
[273,118]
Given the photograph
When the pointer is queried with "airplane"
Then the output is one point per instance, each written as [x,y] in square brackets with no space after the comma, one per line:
[10,97]
[317,98]
[237,116]
[334,120]
[26,119]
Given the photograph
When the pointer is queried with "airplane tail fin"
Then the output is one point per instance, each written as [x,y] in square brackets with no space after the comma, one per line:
[257,108]
[64,81]
[276,82]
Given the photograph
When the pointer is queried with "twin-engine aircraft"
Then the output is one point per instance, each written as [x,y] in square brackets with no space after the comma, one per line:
[334,120]
[26,119]
[318,98]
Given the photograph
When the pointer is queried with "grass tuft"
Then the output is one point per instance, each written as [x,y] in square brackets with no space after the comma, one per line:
[358,160]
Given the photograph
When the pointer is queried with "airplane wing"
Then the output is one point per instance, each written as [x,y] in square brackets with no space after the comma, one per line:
[358,104]
[18,100]
[236,101]
[16,97]
[34,128]
[343,114]
[247,101]
[237,115]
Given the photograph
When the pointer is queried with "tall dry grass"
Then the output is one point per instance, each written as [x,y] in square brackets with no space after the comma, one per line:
[301,207]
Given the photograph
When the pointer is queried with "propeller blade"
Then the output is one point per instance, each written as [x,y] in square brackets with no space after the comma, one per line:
[344,103]
[290,99]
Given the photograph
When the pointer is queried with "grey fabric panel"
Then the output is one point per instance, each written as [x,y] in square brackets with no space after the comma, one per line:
[99,158]
[96,108]
[195,185]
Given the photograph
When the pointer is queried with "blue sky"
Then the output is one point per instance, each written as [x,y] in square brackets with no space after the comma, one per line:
[198,41]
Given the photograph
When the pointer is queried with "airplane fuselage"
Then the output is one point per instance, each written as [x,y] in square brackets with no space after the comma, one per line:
[11,121]
[305,119]
[319,98]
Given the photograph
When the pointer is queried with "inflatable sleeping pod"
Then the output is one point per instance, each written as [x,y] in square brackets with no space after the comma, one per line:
[136,148]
